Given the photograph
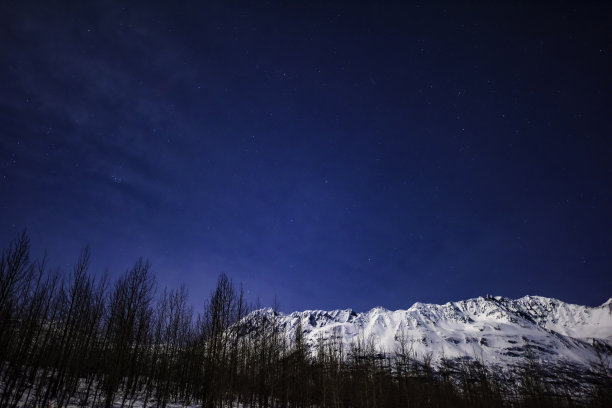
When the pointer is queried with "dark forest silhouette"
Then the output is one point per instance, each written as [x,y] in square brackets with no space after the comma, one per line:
[83,339]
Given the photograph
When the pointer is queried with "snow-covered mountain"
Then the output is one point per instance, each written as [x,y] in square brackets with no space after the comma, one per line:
[496,330]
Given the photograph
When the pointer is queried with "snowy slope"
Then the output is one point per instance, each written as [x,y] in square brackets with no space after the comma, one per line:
[494,329]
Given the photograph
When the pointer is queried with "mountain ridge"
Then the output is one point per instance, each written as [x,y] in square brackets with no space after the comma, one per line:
[494,329]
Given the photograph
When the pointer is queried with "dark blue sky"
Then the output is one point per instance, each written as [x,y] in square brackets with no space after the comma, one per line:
[335,155]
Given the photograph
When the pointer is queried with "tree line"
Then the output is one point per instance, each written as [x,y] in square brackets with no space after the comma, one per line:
[81,339]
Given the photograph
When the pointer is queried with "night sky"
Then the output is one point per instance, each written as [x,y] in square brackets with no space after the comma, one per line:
[333,155]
